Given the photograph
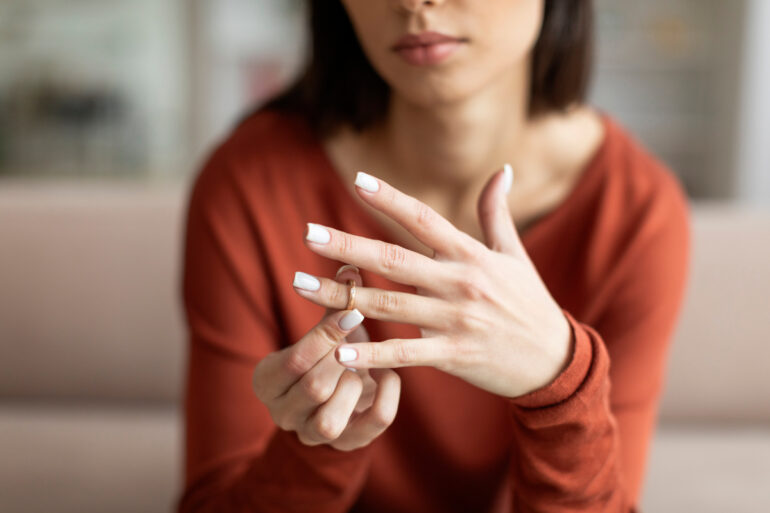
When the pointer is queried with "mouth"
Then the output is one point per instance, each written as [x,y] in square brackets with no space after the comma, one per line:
[427,48]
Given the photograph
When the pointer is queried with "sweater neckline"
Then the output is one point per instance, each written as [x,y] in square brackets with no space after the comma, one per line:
[540,224]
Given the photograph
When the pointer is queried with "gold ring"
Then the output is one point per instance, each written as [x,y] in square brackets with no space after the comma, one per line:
[351,295]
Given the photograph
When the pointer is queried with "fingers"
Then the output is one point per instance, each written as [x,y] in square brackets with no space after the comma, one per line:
[390,260]
[344,274]
[419,219]
[278,371]
[331,418]
[494,215]
[430,351]
[381,304]
[312,390]
[378,417]
[367,395]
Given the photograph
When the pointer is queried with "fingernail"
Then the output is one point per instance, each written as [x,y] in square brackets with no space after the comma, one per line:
[507,178]
[317,233]
[346,354]
[367,182]
[345,268]
[306,281]
[351,319]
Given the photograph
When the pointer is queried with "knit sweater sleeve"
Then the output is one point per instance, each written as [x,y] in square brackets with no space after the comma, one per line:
[581,442]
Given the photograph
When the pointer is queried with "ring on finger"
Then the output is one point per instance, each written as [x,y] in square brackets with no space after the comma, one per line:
[351,295]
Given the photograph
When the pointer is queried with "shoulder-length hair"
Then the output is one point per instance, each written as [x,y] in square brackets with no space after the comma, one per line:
[339,85]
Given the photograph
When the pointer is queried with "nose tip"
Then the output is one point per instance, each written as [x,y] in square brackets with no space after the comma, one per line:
[414,5]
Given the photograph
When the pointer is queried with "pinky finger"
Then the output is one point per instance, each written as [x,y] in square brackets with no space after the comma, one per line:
[396,352]
[372,422]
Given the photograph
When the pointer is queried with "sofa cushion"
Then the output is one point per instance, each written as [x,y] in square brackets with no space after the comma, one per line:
[709,469]
[89,305]
[75,460]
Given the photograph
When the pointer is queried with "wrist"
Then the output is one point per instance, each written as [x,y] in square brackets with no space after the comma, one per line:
[560,347]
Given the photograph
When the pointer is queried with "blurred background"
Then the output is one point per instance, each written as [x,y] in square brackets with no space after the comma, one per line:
[107,108]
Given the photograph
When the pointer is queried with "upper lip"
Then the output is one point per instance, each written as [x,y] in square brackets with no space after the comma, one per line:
[423,39]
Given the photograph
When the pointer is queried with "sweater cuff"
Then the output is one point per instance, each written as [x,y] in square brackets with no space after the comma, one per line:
[570,379]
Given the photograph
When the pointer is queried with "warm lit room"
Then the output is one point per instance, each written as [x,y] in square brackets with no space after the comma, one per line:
[544,285]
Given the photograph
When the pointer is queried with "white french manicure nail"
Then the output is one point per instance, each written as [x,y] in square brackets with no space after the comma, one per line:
[348,354]
[507,178]
[317,233]
[351,319]
[367,182]
[306,281]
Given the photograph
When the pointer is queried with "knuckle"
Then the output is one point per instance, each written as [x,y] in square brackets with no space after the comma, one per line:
[460,354]
[296,363]
[455,318]
[471,284]
[352,383]
[473,257]
[345,245]
[382,417]
[284,421]
[404,353]
[356,383]
[386,302]
[375,352]
[424,216]
[326,427]
[473,252]
[330,331]
[337,295]
[317,390]
[392,257]
[461,323]
[467,320]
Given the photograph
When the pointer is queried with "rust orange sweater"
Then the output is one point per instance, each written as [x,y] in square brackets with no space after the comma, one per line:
[614,255]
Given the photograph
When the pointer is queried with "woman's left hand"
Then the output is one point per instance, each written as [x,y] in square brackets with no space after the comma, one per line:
[484,313]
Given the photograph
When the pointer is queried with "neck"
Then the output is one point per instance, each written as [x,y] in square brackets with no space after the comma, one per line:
[451,149]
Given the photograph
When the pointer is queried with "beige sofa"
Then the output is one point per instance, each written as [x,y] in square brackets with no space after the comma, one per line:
[92,356]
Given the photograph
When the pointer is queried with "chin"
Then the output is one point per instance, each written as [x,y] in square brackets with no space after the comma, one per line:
[439,89]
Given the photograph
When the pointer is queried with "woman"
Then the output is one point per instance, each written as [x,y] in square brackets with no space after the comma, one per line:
[516,333]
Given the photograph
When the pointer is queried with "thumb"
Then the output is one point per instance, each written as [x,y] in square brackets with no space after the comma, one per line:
[494,214]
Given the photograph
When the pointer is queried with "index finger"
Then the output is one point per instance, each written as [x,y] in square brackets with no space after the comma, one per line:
[282,369]
[422,221]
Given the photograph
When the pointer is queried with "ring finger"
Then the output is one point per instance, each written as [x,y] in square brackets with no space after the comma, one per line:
[385,305]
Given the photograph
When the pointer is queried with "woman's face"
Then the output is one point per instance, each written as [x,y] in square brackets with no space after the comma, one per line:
[493,37]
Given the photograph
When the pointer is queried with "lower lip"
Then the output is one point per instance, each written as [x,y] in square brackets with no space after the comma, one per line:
[429,54]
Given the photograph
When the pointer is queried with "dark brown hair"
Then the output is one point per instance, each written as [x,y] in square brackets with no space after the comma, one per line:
[340,86]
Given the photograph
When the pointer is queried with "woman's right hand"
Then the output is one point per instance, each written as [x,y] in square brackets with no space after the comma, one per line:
[307,390]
